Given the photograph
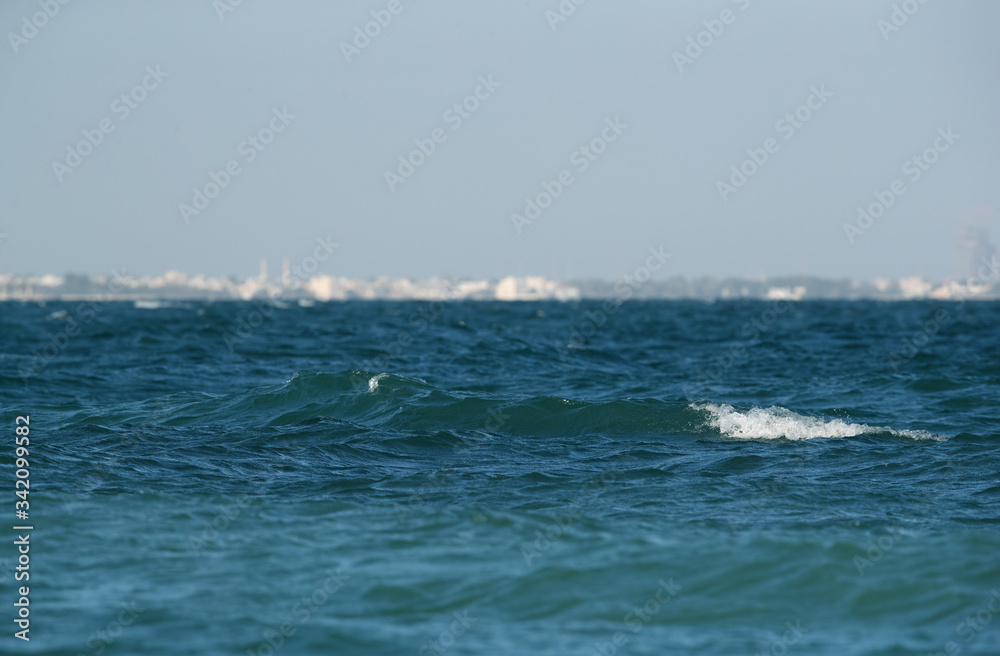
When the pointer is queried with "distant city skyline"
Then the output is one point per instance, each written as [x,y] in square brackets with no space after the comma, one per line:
[484,140]
[295,285]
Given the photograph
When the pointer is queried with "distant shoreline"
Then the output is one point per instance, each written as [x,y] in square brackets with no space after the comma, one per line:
[642,284]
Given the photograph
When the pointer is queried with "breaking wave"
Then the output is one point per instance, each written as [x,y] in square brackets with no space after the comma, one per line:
[780,423]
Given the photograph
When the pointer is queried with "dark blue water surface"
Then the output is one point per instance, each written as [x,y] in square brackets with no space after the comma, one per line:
[506,478]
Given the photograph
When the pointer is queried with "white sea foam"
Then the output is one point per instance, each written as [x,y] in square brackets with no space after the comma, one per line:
[776,423]
[373,382]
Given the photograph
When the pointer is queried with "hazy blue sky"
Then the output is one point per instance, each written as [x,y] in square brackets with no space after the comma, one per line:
[656,184]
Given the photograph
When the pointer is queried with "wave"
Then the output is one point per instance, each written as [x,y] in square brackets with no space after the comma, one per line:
[780,423]
[388,402]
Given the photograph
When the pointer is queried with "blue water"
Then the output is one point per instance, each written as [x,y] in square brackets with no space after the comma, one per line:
[507,478]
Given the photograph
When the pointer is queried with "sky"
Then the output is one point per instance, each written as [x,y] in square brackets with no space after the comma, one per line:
[494,138]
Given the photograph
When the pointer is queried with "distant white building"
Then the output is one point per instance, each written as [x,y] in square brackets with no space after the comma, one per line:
[534,288]
[786,293]
[914,287]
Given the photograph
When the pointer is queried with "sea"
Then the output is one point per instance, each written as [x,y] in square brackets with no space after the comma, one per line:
[492,478]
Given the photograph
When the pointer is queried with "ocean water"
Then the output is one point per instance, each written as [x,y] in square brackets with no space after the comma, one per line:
[506,478]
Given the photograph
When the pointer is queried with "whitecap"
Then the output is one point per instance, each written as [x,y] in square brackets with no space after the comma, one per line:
[373,383]
[776,423]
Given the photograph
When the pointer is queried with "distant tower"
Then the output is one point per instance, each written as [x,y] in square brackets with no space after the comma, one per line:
[263,269]
[286,273]
[972,248]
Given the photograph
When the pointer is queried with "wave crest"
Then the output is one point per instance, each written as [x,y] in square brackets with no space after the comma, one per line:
[780,423]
